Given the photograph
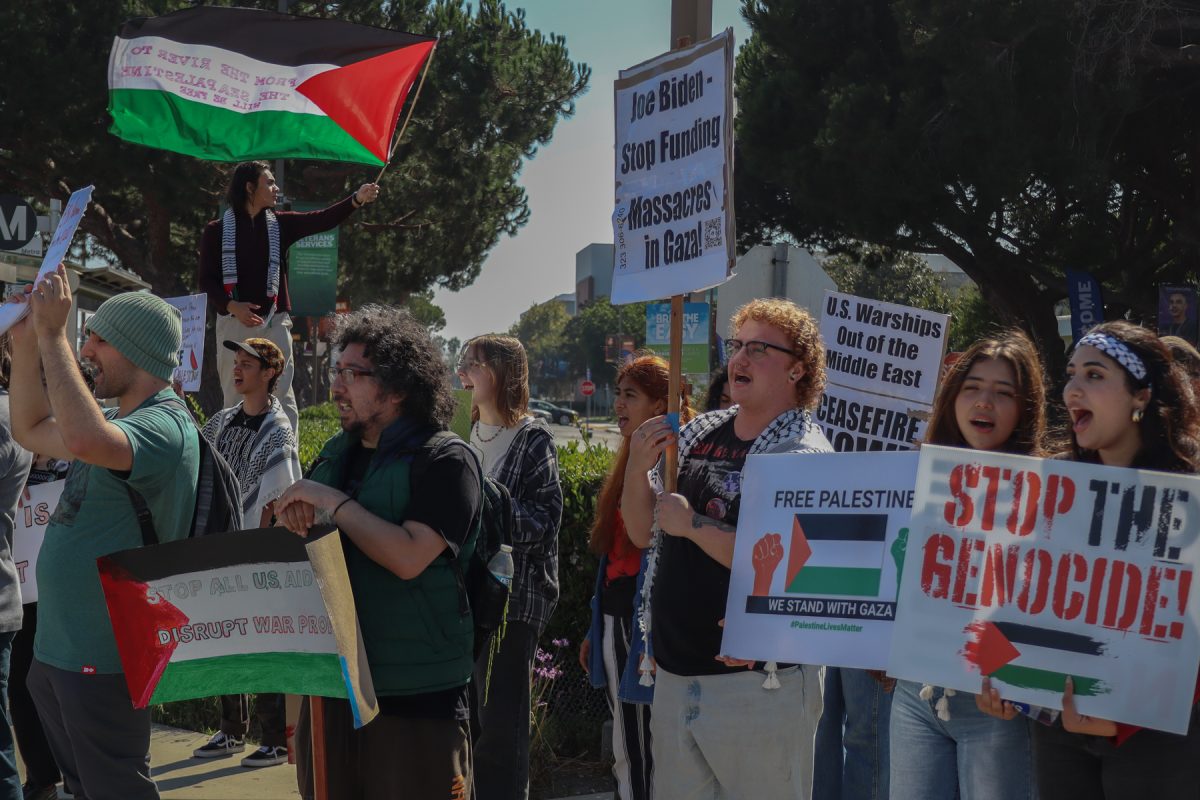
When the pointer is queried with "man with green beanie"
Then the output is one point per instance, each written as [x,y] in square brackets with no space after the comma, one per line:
[148,443]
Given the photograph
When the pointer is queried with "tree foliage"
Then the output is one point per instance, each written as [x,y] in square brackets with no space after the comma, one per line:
[1017,137]
[540,329]
[586,331]
[494,93]
[879,273]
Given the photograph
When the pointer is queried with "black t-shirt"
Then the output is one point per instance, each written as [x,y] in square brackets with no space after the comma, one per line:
[448,501]
[236,441]
[690,588]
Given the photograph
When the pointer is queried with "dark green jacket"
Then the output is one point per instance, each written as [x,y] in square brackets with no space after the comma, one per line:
[416,636]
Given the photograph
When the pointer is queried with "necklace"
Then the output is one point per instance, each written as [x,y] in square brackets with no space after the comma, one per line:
[479,434]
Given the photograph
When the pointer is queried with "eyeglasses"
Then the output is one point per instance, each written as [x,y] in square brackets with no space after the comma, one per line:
[755,348]
[348,374]
[464,365]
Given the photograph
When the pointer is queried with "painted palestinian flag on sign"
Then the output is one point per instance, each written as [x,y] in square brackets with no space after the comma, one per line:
[248,611]
[828,553]
[234,84]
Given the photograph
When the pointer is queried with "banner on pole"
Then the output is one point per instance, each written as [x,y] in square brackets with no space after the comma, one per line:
[1031,570]
[695,334]
[192,308]
[1087,302]
[32,516]
[230,613]
[882,363]
[313,270]
[68,223]
[817,558]
[673,222]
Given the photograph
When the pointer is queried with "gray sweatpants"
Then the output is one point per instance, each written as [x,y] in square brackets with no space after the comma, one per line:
[100,741]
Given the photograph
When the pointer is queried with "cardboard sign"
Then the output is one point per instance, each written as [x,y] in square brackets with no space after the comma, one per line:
[882,362]
[32,516]
[11,313]
[673,223]
[192,308]
[1029,570]
[230,613]
[816,562]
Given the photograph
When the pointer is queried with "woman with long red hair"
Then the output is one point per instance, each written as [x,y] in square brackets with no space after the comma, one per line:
[612,649]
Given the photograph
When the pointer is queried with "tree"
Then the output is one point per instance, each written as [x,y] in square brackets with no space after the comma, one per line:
[1016,137]
[425,311]
[879,273]
[540,329]
[494,93]
[585,334]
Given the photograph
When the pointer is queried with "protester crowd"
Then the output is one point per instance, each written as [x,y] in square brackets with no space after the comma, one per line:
[411,503]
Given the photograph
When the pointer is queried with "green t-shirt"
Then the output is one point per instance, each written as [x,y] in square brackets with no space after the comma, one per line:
[95,517]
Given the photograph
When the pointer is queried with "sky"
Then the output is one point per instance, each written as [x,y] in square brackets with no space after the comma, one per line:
[569,182]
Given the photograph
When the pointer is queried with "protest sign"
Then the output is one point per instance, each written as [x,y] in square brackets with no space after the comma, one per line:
[695,334]
[192,308]
[10,314]
[856,421]
[1029,570]
[836,523]
[248,611]
[673,223]
[882,363]
[30,529]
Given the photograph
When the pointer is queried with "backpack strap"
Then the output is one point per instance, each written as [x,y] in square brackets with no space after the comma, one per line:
[144,517]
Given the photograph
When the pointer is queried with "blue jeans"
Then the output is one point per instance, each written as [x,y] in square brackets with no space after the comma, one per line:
[10,781]
[971,756]
[852,738]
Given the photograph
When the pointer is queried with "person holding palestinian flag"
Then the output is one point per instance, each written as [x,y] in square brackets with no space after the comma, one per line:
[244,268]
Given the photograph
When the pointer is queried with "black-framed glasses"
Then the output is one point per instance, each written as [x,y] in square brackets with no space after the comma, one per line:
[348,374]
[755,348]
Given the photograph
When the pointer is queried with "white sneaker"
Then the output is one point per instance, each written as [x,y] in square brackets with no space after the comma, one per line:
[266,757]
[221,744]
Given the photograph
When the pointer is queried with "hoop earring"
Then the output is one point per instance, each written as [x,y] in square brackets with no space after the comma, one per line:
[1137,414]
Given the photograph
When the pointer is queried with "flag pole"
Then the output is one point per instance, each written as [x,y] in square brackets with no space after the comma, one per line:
[411,106]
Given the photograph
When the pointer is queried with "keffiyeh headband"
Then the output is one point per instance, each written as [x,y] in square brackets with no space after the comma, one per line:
[1117,350]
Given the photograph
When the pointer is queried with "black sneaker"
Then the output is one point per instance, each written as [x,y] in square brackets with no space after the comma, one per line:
[266,757]
[221,744]
[31,792]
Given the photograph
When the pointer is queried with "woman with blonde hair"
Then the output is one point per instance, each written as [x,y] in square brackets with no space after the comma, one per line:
[518,451]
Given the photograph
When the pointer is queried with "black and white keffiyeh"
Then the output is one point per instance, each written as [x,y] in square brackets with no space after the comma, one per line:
[229,266]
[791,432]
[1117,350]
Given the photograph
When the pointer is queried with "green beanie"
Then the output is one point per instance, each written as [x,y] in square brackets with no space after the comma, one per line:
[145,329]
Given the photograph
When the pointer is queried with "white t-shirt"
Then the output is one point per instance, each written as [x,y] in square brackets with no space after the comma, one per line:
[493,441]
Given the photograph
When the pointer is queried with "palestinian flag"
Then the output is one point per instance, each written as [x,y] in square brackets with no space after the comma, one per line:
[234,84]
[836,554]
[248,611]
[992,648]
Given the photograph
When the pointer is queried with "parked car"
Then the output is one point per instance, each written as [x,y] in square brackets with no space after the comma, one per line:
[542,414]
[563,416]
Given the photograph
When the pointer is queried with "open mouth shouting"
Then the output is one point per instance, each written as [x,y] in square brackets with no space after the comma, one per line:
[1081,419]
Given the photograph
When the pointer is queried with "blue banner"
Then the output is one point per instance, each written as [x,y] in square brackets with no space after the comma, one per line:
[1087,302]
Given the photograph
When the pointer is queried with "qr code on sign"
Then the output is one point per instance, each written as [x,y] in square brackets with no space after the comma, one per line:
[712,233]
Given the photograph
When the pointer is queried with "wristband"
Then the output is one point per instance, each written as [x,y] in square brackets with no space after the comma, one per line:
[338,508]
[354,201]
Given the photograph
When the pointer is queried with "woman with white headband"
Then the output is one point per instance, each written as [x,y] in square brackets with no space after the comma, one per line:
[1130,405]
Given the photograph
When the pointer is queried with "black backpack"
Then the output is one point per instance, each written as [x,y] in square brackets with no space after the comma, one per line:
[480,594]
[218,495]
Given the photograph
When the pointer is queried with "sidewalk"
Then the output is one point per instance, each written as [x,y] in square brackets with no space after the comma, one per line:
[181,777]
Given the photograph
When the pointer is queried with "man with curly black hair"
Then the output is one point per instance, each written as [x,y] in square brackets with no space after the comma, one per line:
[391,387]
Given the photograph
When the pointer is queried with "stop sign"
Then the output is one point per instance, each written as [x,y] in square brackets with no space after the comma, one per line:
[587,388]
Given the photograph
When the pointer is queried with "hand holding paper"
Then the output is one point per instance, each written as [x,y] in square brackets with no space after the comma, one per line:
[50,303]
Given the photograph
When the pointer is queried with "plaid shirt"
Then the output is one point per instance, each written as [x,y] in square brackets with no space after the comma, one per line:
[530,471]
